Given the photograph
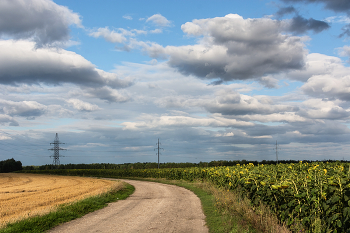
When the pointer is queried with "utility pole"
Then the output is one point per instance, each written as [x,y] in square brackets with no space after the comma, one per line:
[277,152]
[56,148]
[158,151]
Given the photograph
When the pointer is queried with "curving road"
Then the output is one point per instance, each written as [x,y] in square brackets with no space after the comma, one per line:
[153,207]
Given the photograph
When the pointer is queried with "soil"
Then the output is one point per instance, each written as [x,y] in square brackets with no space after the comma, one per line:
[153,207]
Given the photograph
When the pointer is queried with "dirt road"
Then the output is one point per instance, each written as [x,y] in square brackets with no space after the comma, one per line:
[153,207]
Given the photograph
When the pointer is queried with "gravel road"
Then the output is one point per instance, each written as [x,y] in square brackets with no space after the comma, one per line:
[153,207]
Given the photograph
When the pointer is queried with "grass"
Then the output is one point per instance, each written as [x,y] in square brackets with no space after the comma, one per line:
[68,212]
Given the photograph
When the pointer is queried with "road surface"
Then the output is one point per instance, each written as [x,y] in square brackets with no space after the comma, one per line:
[153,207]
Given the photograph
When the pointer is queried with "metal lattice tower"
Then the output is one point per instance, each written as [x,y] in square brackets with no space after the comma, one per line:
[56,148]
[158,151]
[277,152]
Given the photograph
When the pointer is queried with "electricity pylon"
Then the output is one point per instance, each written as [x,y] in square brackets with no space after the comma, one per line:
[56,148]
[158,151]
[277,152]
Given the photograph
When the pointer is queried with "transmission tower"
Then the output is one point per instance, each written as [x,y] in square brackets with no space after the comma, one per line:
[276,149]
[56,148]
[158,151]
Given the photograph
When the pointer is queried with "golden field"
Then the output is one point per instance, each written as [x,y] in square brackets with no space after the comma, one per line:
[25,195]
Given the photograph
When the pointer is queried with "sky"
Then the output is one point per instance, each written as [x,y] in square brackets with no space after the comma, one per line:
[212,80]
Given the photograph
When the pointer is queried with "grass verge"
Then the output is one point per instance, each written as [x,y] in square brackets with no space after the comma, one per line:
[68,212]
[228,212]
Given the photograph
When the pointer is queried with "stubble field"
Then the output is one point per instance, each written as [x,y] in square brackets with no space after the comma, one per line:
[25,195]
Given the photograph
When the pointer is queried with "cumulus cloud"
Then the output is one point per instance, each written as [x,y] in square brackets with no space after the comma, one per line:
[335,5]
[325,77]
[156,31]
[300,25]
[324,109]
[43,21]
[229,48]
[111,36]
[269,82]
[233,48]
[27,109]
[159,20]
[233,103]
[152,121]
[5,119]
[128,17]
[285,10]
[82,106]
[344,52]
[274,117]
[108,94]
[21,63]
[317,64]
[338,19]
[328,86]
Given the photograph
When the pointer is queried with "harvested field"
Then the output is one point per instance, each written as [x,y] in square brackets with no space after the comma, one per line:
[25,195]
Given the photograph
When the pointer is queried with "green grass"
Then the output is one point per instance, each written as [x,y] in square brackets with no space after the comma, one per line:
[68,212]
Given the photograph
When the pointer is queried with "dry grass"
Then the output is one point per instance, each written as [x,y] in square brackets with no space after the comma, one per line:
[260,218]
[26,195]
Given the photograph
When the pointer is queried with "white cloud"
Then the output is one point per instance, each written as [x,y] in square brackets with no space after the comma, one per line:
[139,31]
[108,94]
[338,19]
[344,52]
[159,20]
[274,117]
[324,109]
[325,77]
[328,86]
[269,82]
[43,21]
[82,106]
[232,48]
[111,36]
[20,62]
[228,102]
[317,64]
[151,121]
[4,119]
[128,17]
[156,31]
[25,108]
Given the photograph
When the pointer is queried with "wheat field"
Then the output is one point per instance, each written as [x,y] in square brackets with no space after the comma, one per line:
[26,195]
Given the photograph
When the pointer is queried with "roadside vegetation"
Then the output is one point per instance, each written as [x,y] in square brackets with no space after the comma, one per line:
[68,212]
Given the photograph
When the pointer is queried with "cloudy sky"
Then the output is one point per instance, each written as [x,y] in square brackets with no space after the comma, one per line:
[213,80]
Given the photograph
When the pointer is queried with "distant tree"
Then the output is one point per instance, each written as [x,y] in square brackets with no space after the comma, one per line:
[10,165]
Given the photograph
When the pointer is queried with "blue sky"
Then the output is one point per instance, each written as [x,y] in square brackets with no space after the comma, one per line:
[214,80]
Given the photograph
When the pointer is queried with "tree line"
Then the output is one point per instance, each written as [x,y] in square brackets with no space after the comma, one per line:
[218,163]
